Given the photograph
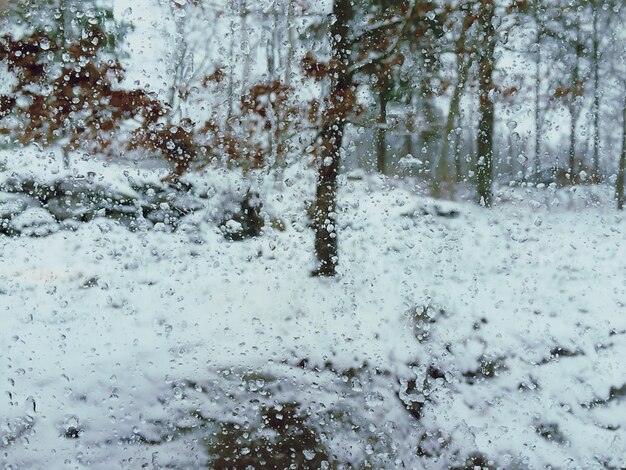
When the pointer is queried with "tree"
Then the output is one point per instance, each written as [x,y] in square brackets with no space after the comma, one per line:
[341,101]
[463,64]
[419,35]
[619,184]
[486,105]
[596,88]
[571,90]
[539,32]
[383,88]
[573,93]
[351,55]
[64,75]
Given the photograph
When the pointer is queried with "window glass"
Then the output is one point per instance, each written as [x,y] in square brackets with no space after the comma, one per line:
[312,234]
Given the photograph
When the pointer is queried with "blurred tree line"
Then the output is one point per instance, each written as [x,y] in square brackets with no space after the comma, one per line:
[465,93]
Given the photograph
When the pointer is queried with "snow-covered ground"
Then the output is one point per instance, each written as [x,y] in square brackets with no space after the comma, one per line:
[495,334]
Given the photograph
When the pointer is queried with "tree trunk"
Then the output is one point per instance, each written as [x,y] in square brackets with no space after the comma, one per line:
[231,71]
[178,58]
[596,93]
[574,110]
[619,184]
[381,129]
[572,143]
[291,41]
[325,223]
[410,124]
[67,36]
[537,162]
[429,134]
[486,105]
[245,46]
[458,165]
[443,166]
[270,48]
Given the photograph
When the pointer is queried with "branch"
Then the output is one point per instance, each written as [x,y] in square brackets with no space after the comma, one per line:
[392,49]
[373,28]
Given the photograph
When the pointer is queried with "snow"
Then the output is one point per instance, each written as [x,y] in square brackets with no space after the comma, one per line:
[502,329]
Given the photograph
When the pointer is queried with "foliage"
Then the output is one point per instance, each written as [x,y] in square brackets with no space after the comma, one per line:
[64,87]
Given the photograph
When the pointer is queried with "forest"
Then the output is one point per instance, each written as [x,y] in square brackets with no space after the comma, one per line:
[313,234]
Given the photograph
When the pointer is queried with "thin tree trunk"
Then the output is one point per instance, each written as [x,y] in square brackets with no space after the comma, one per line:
[430,129]
[574,112]
[510,161]
[325,222]
[67,36]
[443,166]
[179,61]
[572,144]
[472,139]
[272,66]
[231,78]
[381,129]
[458,166]
[619,184]
[245,44]
[410,124]
[291,41]
[596,93]
[484,145]
[537,162]
[271,48]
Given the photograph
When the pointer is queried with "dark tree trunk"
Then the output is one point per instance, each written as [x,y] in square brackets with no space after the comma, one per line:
[325,223]
[572,146]
[596,93]
[326,202]
[619,184]
[484,144]
[458,165]
[574,110]
[537,162]
[410,124]
[381,130]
